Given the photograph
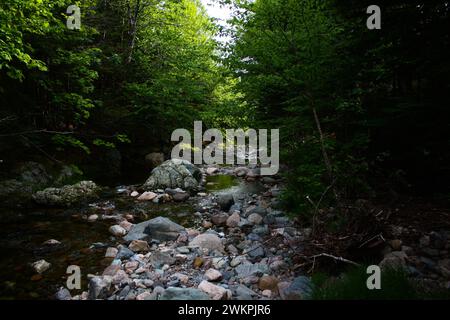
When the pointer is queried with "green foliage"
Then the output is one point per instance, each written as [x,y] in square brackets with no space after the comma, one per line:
[352,286]
[289,55]
[65,140]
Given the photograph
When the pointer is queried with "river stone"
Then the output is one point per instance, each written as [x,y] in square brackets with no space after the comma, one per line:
[117,231]
[213,275]
[300,289]
[268,283]
[248,269]
[159,228]
[215,292]
[225,201]
[233,220]
[63,294]
[111,252]
[255,218]
[175,173]
[124,253]
[41,266]
[207,241]
[183,294]
[99,287]
[147,196]
[159,259]
[67,195]
[180,196]
[244,293]
[139,246]
[219,219]
[394,260]
[255,251]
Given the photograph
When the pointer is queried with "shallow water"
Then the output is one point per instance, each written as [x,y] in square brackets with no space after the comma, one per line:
[23,232]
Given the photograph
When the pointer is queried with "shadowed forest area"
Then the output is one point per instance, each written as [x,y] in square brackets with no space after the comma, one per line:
[364,124]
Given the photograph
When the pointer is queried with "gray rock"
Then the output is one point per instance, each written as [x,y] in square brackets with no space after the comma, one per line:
[248,269]
[159,259]
[225,201]
[255,251]
[183,294]
[261,230]
[180,196]
[219,219]
[67,195]
[174,173]
[259,210]
[244,293]
[63,294]
[394,260]
[300,289]
[100,287]
[207,241]
[124,253]
[160,228]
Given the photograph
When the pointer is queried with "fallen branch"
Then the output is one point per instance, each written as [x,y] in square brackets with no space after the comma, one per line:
[335,258]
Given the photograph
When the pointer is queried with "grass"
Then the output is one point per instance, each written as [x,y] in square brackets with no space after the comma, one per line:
[351,285]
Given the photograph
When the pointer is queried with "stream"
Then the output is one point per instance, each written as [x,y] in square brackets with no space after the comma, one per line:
[82,243]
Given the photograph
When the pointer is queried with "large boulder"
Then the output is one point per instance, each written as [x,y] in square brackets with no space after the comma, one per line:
[26,178]
[174,173]
[67,195]
[160,228]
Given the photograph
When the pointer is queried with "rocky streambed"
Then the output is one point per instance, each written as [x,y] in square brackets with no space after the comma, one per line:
[223,240]
[232,244]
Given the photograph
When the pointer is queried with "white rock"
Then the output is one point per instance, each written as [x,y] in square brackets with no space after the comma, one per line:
[52,242]
[147,196]
[267,293]
[213,275]
[41,266]
[93,218]
[126,225]
[213,291]
[117,230]
[134,194]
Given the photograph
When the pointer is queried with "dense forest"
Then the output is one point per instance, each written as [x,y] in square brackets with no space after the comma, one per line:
[362,113]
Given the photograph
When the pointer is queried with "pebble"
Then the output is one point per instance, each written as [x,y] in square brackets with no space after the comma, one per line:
[139,246]
[93,218]
[52,242]
[213,275]
[233,220]
[41,266]
[255,218]
[215,292]
[117,230]
[111,252]
[147,196]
